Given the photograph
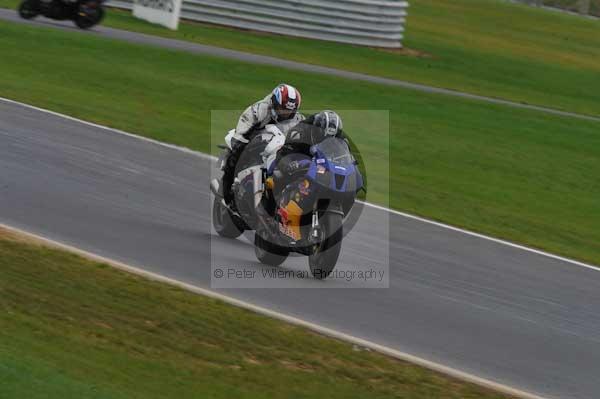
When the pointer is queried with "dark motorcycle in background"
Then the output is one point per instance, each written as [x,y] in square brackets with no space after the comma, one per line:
[85,13]
[306,209]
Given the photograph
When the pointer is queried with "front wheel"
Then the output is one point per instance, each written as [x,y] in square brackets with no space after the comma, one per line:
[269,253]
[87,16]
[28,9]
[326,253]
[223,220]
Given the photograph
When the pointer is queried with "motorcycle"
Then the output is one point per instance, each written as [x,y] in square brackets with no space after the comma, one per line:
[302,211]
[85,13]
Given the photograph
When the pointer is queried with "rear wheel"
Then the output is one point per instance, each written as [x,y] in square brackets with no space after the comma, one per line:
[269,253]
[223,221]
[327,251]
[28,9]
[90,17]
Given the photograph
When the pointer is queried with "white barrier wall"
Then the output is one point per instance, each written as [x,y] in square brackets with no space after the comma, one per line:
[377,23]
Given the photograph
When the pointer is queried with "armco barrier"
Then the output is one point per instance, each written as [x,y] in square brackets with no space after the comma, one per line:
[378,23]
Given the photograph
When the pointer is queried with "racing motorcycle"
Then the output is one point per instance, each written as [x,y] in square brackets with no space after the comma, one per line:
[85,13]
[302,211]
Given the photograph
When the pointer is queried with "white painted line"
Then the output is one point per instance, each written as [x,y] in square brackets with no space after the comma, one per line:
[483,236]
[395,212]
[281,316]
[110,129]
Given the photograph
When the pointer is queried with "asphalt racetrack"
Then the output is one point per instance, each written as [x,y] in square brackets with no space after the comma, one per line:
[499,312]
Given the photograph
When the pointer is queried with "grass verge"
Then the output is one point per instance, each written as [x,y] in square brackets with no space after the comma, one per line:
[488,47]
[521,175]
[75,328]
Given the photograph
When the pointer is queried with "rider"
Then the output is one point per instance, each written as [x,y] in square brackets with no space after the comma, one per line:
[280,106]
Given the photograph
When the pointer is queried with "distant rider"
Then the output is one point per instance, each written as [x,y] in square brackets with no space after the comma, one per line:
[300,138]
[281,105]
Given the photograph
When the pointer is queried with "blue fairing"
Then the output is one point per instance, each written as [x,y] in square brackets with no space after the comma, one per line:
[334,166]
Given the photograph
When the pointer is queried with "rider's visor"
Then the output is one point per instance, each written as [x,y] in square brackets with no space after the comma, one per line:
[283,112]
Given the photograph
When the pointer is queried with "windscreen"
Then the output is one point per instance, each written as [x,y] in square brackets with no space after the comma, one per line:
[336,150]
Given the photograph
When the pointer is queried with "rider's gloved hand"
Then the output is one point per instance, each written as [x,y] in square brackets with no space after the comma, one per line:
[289,167]
[274,130]
[294,166]
[236,144]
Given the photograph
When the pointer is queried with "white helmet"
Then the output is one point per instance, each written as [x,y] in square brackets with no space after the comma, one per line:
[329,121]
[286,101]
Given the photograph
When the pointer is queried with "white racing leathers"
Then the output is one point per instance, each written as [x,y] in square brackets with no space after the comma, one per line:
[256,117]
[259,115]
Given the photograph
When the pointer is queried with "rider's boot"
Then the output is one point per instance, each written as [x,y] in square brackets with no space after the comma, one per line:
[237,148]
[266,224]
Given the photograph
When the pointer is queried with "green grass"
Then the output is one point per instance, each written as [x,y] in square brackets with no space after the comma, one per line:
[72,328]
[521,175]
[488,47]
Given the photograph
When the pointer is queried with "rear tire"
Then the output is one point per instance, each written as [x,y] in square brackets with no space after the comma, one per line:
[87,21]
[28,9]
[223,221]
[269,253]
[326,253]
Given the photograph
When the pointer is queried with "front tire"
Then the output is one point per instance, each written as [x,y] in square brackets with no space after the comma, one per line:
[223,221]
[268,253]
[326,253]
[28,9]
